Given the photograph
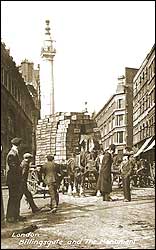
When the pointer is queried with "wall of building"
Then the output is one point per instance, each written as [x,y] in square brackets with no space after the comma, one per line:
[115,119]
[144,101]
[111,122]
[17,107]
[129,76]
[32,80]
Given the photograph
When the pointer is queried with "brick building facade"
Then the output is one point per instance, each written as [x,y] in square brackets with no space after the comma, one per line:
[115,119]
[144,102]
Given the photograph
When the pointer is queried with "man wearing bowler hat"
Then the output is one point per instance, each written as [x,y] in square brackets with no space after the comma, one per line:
[13,182]
[104,183]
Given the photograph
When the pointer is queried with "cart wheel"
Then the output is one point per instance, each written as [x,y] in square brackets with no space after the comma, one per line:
[33,181]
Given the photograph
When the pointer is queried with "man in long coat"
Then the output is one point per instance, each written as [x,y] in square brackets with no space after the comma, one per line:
[14,182]
[104,183]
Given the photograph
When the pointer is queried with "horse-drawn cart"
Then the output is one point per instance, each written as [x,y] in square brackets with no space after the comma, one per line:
[37,187]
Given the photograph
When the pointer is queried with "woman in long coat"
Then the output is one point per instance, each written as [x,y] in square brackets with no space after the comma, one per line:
[104,183]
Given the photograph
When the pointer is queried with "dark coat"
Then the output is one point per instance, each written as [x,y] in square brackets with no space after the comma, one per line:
[14,184]
[104,183]
[14,172]
[49,169]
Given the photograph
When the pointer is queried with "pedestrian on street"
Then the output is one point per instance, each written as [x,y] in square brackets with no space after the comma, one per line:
[126,170]
[50,178]
[70,173]
[25,164]
[14,182]
[104,183]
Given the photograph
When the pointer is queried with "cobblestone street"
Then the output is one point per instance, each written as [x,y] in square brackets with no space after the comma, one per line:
[88,222]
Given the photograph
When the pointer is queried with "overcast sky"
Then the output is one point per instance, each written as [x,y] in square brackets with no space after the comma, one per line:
[95,41]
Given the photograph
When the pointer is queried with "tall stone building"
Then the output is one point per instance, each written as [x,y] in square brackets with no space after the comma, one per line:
[46,74]
[144,107]
[18,109]
[115,119]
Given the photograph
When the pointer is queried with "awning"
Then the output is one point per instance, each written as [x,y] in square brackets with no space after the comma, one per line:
[143,147]
[150,146]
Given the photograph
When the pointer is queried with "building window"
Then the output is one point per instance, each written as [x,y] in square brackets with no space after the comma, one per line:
[147,129]
[105,130]
[150,100]
[136,86]
[154,67]
[143,130]
[120,103]
[153,96]
[146,101]
[120,137]
[146,74]
[5,78]
[102,132]
[143,105]
[119,120]
[2,75]
[152,126]
[8,79]
[113,122]
[10,84]
[11,126]
[110,126]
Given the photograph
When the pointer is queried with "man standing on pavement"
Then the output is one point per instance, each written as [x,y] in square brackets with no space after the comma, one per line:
[126,169]
[104,183]
[14,182]
[70,173]
[50,178]
[25,170]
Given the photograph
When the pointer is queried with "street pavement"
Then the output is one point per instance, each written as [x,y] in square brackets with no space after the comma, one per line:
[86,223]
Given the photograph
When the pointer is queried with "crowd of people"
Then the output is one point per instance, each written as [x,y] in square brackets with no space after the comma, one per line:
[17,177]
[103,166]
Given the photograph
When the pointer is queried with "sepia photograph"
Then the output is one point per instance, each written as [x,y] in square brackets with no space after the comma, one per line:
[77,124]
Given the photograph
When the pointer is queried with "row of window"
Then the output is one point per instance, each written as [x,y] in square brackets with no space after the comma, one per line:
[145,130]
[144,104]
[25,134]
[117,138]
[145,76]
[10,84]
[116,121]
[118,105]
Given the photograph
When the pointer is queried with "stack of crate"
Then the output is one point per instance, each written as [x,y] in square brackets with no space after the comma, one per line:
[59,135]
[45,139]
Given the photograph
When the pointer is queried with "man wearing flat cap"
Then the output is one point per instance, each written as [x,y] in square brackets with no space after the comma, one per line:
[13,182]
[25,164]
